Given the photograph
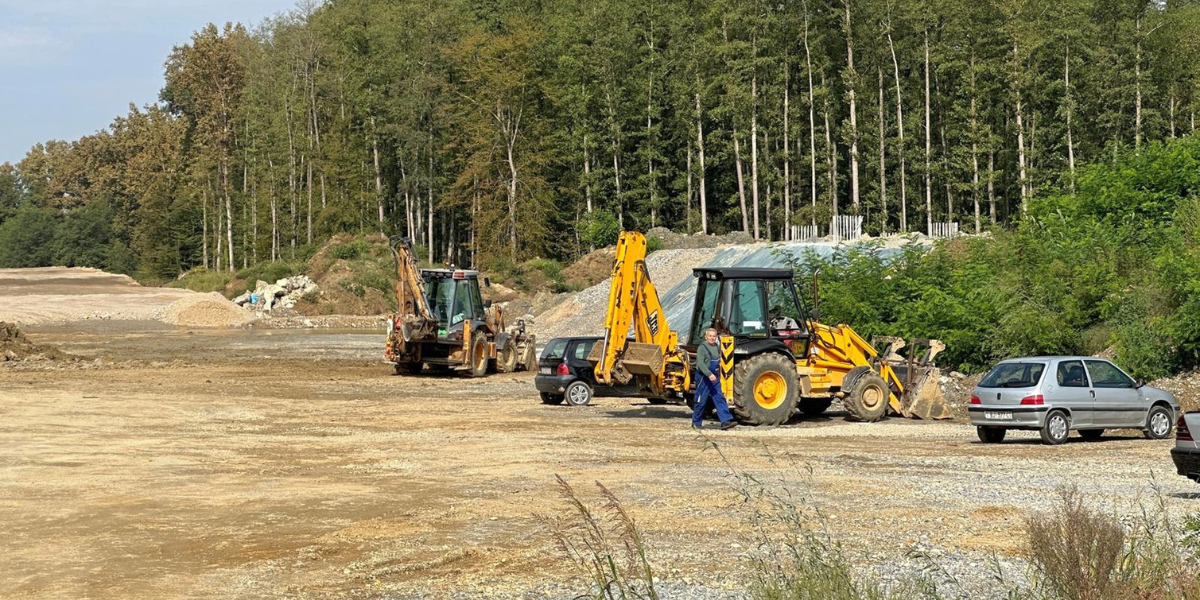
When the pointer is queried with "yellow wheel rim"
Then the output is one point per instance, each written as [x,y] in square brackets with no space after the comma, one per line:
[872,397]
[770,390]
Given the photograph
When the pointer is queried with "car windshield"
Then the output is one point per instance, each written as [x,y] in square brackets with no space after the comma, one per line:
[555,349]
[1014,375]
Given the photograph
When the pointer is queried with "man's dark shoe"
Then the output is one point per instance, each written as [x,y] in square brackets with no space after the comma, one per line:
[728,425]
[695,426]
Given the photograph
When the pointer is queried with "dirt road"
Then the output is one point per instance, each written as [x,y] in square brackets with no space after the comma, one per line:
[269,463]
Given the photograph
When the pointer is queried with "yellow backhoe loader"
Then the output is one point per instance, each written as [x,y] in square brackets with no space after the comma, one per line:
[442,323]
[774,358]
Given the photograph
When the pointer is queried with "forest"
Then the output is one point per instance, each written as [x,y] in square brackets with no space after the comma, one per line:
[498,131]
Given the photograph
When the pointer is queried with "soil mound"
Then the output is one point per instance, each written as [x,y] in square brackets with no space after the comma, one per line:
[207,310]
[14,346]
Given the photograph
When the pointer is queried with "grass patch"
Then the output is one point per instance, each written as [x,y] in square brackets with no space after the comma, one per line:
[201,279]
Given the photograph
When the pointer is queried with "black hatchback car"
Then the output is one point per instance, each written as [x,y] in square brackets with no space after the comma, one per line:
[564,372]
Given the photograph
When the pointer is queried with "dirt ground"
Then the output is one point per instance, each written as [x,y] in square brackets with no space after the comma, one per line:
[262,463]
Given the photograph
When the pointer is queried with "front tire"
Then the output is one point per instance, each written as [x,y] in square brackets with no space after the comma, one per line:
[765,389]
[553,399]
[578,394]
[528,360]
[479,357]
[1056,429]
[1158,423]
[991,435]
[867,395]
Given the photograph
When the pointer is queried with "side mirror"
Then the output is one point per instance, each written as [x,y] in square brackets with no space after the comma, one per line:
[487,282]
[1139,384]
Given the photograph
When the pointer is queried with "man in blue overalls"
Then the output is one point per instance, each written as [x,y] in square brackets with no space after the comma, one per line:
[708,384]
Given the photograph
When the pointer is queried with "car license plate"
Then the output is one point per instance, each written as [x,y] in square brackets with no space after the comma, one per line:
[545,370]
[998,415]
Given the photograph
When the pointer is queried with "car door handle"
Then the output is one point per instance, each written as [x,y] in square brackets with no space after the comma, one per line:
[1093,393]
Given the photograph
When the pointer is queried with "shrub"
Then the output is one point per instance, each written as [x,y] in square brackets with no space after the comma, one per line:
[654,244]
[1074,549]
[349,251]
[26,239]
[599,229]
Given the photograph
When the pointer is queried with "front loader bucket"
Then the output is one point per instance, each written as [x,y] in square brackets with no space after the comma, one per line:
[923,399]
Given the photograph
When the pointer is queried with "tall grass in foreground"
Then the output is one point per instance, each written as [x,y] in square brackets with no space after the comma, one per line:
[606,544]
[1075,552]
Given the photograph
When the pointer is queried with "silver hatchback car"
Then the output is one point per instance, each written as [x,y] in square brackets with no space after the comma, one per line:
[1057,394]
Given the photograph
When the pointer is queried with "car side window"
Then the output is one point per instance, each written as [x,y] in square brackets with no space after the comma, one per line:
[1105,375]
[582,349]
[1070,374]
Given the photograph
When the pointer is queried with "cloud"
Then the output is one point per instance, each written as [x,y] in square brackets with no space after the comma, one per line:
[27,46]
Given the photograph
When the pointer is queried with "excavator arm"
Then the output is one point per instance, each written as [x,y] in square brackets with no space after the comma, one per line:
[414,320]
[633,302]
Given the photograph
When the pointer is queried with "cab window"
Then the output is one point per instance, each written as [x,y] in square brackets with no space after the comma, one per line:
[1070,374]
[1105,375]
[706,308]
[783,309]
[747,315]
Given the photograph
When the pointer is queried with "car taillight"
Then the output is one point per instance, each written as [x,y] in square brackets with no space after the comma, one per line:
[1181,430]
[976,400]
[1037,399]
[563,370]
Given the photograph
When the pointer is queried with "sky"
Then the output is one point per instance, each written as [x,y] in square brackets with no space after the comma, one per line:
[68,67]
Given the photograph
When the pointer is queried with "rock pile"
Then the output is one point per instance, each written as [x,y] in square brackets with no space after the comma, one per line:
[207,310]
[14,346]
[284,293]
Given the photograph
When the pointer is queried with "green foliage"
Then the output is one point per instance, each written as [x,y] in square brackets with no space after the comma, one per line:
[599,229]
[654,244]
[349,251]
[203,280]
[26,239]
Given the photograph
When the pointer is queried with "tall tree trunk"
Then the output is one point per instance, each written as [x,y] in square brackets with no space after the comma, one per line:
[883,219]
[378,175]
[689,189]
[852,83]
[1021,151]
[587,174]
[737,157]
[754,148]
[1070,108]
[812,121]
[899,131]
[974,146]
[204,226]
[831,150]
[1137,84]
[991,184]
[228,214]
[308,165]
[511,142]
[429,222]
[928,145]
[650,131]
[787,157]
[274,211]
[475,219]
[700,151]
[616,151]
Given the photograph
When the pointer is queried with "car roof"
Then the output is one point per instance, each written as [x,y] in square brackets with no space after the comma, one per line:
[1055,357]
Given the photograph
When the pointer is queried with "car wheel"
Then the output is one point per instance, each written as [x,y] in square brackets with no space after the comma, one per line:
[1158,423]
[579,394]
[1056,429]
[551,398]
[991,435]
[1091,434]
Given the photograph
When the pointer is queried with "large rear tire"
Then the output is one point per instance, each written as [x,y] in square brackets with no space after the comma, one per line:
[506,359]
[479,356]
[867,395]
[765,389]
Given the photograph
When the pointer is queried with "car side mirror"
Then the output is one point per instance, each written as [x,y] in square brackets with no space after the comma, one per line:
[1139,384]
[487,282]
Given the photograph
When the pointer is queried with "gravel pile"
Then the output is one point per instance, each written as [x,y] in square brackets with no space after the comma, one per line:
[14,346]
[207,310]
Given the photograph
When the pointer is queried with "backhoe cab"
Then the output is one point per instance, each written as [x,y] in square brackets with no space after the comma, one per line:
[775,358]
[444,325]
